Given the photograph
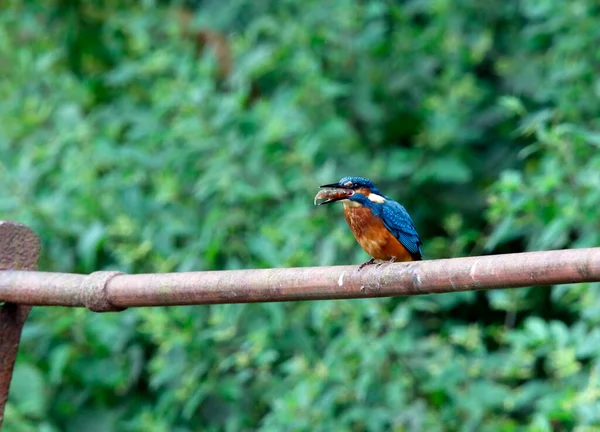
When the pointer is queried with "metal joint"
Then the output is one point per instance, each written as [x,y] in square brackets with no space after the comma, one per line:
[95,295]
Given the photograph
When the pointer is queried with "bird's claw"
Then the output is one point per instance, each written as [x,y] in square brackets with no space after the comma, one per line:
[385,262]
[363,265]
[372,261]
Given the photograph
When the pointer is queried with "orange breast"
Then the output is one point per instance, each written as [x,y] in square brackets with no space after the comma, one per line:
[373,236]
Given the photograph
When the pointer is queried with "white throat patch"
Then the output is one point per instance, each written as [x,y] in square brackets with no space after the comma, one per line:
[351,204]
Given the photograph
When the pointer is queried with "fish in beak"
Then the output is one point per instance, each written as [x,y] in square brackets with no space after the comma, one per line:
[332,193]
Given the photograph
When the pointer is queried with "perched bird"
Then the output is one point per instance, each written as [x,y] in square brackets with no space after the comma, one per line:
[382,227]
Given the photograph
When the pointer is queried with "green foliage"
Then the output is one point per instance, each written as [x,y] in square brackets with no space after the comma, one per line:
[123,150]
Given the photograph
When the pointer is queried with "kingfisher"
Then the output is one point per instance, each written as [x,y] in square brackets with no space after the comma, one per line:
[381,226]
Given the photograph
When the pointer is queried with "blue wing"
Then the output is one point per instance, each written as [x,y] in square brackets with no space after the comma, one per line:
[398,221]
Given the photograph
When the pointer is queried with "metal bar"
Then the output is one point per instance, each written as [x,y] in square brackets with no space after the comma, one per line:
[19,249]
[105,291]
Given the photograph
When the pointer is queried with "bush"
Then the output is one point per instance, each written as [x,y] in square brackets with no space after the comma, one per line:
[128,144]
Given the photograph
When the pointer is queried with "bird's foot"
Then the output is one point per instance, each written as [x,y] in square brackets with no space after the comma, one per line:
[363,265]
[386,262]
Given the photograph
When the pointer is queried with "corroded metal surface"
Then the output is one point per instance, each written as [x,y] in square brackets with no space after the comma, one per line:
[94,291]
[309,283]
[19,249]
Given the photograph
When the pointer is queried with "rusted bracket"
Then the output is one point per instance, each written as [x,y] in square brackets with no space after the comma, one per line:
[19,250]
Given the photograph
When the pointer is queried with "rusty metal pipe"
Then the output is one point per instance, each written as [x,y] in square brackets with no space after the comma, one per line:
[109,291]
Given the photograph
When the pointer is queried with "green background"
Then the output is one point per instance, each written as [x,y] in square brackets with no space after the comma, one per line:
[124,147]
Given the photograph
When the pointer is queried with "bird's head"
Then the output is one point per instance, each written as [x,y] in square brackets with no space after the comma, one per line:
[358,189]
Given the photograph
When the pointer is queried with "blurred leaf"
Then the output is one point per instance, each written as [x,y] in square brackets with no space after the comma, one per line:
[28,391]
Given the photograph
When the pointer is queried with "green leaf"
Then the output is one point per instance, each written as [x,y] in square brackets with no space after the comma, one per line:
[29,391]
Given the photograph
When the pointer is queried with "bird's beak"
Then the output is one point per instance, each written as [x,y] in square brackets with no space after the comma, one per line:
[333,185]
[335,193]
